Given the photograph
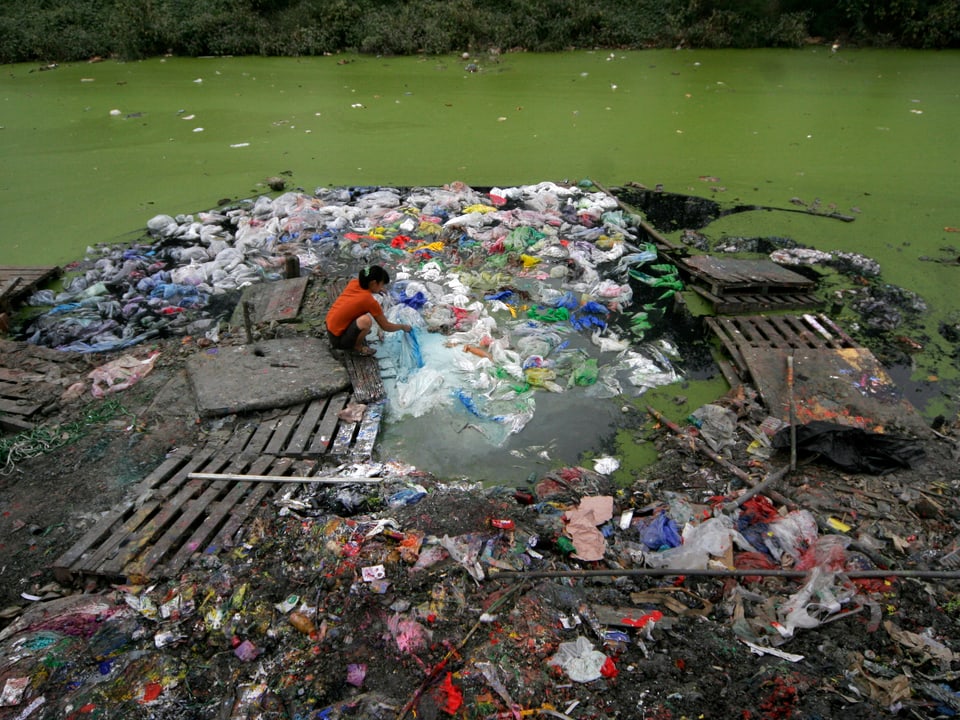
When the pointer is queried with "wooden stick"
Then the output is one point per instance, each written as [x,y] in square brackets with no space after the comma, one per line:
[701,447]
[769,480]
[247,325]
[792,414]
[281,479]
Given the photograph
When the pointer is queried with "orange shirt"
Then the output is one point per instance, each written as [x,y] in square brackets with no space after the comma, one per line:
[353,302]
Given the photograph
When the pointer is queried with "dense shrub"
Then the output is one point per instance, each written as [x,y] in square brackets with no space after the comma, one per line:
[61,30]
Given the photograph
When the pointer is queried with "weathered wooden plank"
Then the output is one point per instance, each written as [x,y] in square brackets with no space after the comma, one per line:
[139,532]
[273,301]
[169,467]
[306,427]
[759,275]
[216,514]
[728,336]
[328,424]
[344,439]
[16,281]
[18,392]
[242,511]
[367,432]
[173,537]
[261,435]
[133,515]
[364,373]
[282,429]
[828,324]
[156,524]
[14,424]
[801,330]
[748,334]
[15,407]
[768,332]
[15,375]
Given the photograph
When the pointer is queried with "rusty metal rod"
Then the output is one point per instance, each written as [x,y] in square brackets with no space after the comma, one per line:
[725,572]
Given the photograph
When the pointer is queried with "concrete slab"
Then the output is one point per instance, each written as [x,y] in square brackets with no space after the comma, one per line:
[268,374]
[278,301]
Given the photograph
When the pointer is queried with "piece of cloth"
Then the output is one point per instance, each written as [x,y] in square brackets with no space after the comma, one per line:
[352,303]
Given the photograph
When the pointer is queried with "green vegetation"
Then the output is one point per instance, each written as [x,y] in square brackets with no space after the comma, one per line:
[45,439]
[68,30]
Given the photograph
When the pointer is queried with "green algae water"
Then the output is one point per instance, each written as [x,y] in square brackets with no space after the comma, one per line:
[91,151]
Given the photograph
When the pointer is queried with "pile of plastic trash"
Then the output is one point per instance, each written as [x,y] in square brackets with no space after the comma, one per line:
[512,291]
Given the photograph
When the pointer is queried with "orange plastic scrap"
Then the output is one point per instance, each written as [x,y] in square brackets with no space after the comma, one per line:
[478,351]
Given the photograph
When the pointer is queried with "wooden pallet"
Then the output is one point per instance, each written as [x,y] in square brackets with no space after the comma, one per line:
[32,379]
[741,335]
[833,379]
[314,430]
[734,304]
[173,515]
[737,285]
[365,377]
[16,282]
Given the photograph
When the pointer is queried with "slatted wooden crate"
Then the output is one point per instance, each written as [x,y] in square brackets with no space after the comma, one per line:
[32,378]
[738,285]
[744,334]
[197,500]
[17,282]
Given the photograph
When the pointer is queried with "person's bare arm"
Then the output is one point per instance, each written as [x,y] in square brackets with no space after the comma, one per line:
[388,326]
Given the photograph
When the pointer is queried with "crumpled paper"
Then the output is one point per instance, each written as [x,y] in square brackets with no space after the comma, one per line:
[588,542]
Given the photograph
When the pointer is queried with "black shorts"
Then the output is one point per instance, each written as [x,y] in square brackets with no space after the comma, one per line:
[346,341]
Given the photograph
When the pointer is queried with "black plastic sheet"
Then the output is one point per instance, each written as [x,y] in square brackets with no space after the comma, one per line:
[853,449]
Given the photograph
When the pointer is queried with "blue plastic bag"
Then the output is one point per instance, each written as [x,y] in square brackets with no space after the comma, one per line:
[660,533]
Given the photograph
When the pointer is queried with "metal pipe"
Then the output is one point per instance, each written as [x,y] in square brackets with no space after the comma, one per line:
[709,572]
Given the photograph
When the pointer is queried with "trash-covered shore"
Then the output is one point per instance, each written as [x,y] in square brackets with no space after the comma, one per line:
[721,582]
[684,595]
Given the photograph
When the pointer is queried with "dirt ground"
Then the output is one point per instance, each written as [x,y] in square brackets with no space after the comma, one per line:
[435,642]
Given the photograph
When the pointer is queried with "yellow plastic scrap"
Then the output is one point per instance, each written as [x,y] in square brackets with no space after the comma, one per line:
[239,595]
[378,233]
[529,261]
[838,525]
[433,247]
[429,228]
[479,208]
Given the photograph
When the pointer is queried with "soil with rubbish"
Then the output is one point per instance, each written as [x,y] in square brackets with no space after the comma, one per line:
[831,592]
[375,608]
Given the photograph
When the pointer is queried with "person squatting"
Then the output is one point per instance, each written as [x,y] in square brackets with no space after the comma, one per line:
[353,313]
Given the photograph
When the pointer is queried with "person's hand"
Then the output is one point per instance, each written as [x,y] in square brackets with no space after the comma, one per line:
[408,328]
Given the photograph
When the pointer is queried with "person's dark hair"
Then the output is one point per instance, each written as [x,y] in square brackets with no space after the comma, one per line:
[373,273]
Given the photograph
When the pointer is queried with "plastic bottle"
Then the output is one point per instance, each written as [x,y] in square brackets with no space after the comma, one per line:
[301,622]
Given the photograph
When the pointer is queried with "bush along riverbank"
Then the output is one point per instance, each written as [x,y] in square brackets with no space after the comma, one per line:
[130,29]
